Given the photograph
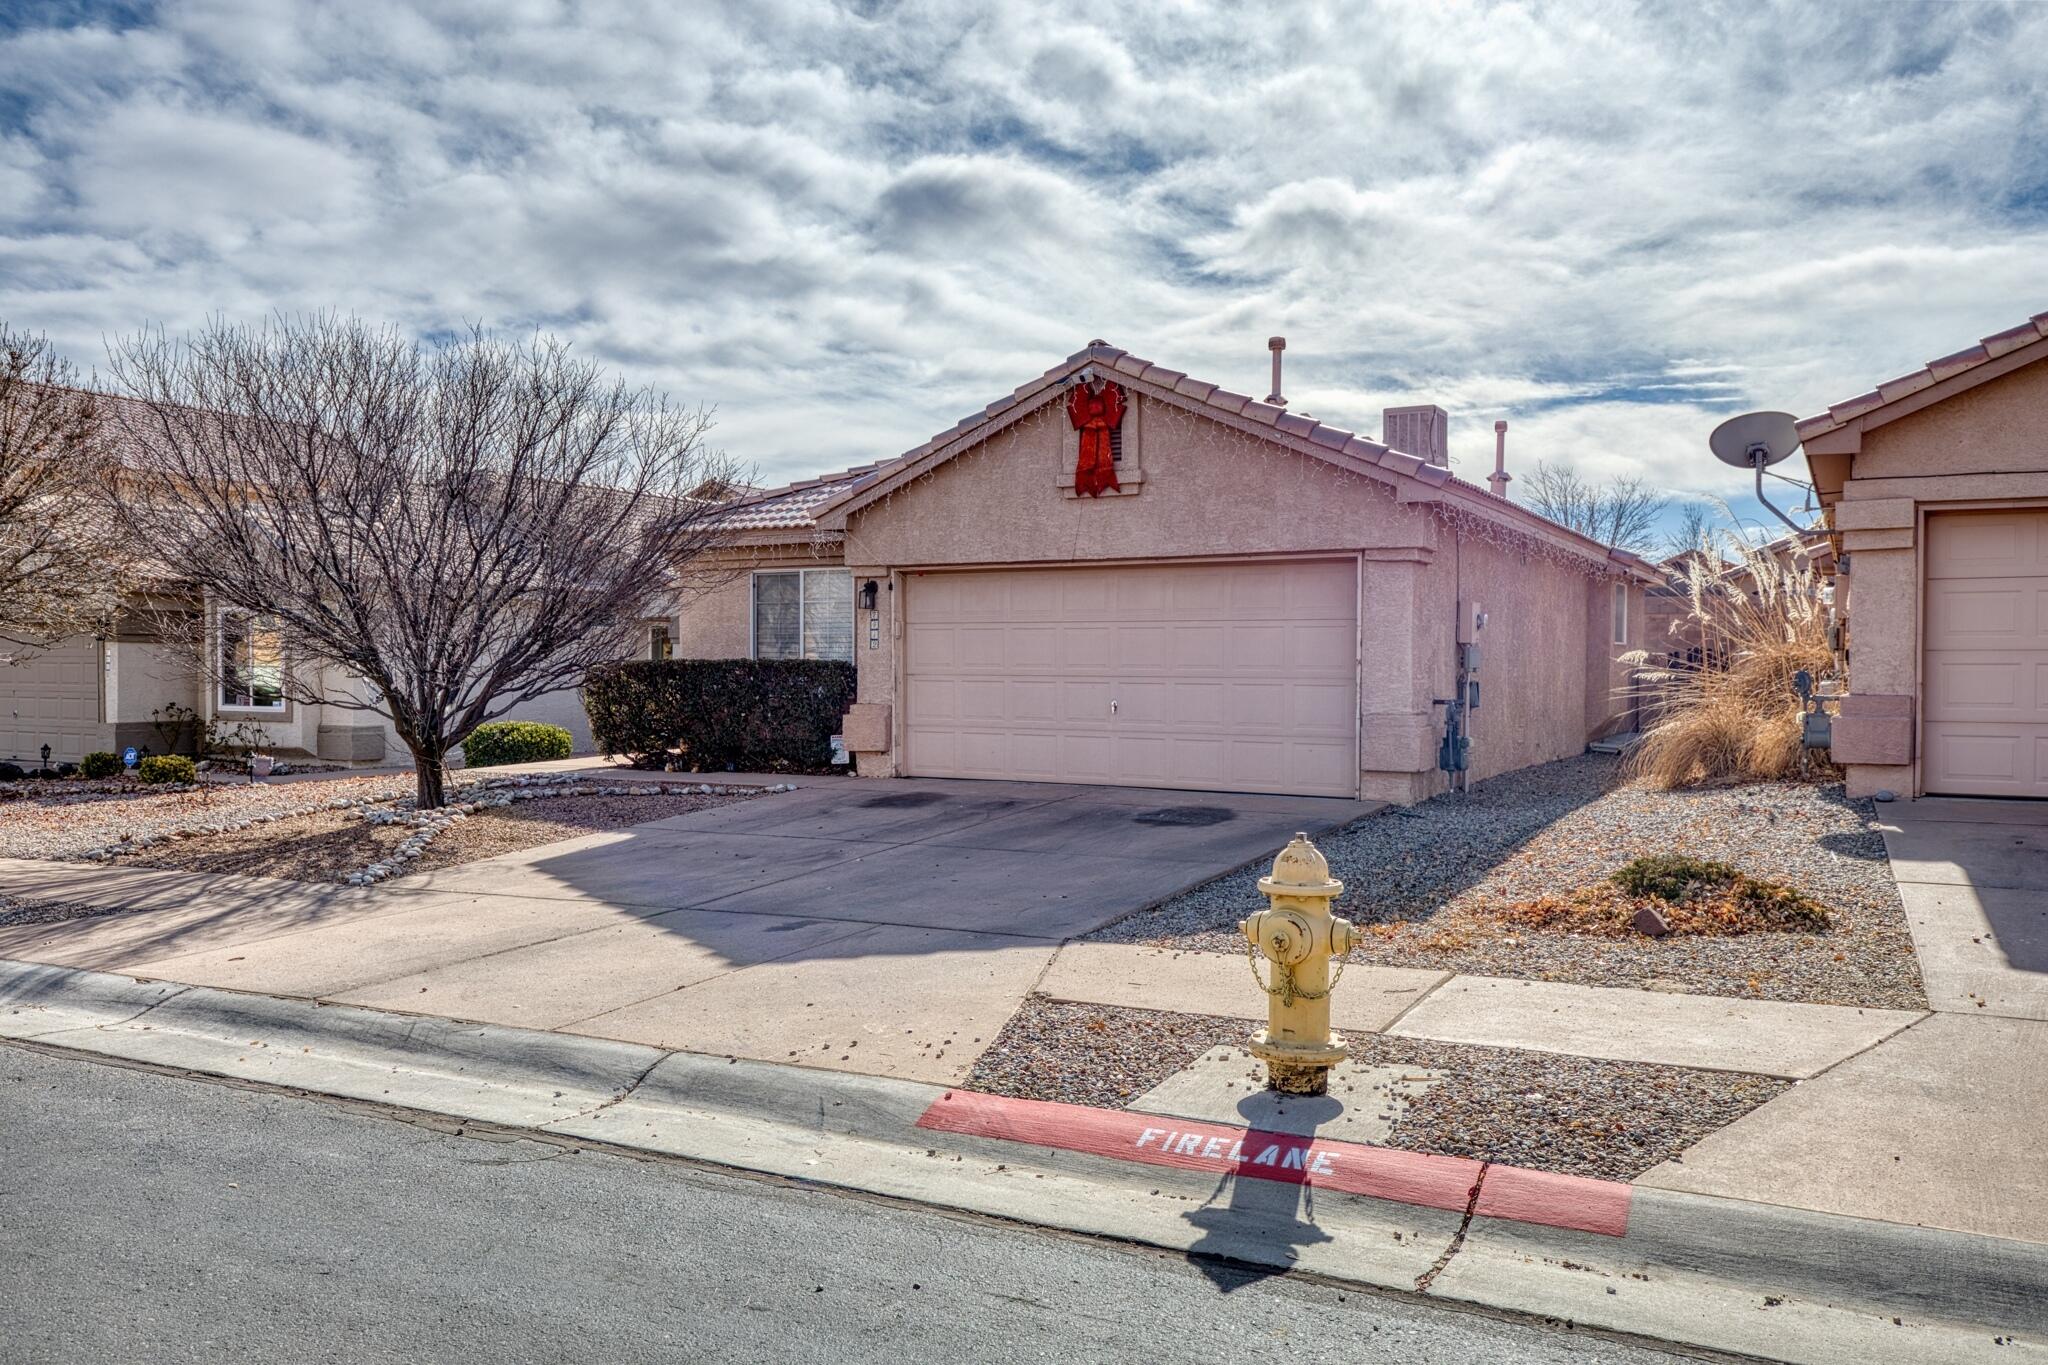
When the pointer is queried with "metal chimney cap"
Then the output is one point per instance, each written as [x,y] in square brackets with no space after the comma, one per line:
[1276,343]
[1500,426]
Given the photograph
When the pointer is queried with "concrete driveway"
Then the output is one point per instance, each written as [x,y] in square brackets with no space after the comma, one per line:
[1034,861]
[1973,876]
[884,927]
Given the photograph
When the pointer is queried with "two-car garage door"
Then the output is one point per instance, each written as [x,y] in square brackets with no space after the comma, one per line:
[1986,674]
[1231,677]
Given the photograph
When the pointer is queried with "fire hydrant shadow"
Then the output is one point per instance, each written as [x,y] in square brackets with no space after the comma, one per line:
[1262,1222]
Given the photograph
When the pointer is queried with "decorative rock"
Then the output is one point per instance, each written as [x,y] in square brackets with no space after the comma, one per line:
[1649,921]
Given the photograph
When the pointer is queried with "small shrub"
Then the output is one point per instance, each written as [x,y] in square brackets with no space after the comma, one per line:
[515,741]
[1672,876]
[1696,897]
[100,763]
[755,715]
[168,768]
[10,772]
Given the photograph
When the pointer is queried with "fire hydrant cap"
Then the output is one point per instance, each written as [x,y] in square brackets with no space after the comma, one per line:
[1301,869]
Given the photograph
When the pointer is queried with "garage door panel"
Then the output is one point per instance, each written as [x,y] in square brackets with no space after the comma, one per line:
[1224,676]
[1987,544]
[1984,676]
[1329,649]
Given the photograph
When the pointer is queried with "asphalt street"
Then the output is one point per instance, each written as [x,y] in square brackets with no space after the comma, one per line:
[153,1217]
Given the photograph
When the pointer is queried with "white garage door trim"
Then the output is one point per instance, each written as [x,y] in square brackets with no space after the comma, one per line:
[1984,653]
[1222,675]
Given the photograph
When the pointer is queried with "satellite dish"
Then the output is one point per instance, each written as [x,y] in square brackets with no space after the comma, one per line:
[1755,440]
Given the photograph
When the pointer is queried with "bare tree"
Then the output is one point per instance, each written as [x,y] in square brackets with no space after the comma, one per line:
[1697,529]
[1622,513]
[462,528]
[60,562]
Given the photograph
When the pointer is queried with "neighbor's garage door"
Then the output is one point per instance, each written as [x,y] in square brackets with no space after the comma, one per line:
[52,699]
[1986,679]
[1233,677]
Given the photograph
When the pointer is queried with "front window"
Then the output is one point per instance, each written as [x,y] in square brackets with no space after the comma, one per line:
[804,614]
[659,645]
[251,663]
[1621,613]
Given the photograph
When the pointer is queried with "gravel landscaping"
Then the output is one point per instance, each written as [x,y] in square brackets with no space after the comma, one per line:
[55,824]
[1538,1110]
[329,846]
[1429,881]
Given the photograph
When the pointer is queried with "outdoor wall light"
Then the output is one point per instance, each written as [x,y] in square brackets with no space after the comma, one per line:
[869,592]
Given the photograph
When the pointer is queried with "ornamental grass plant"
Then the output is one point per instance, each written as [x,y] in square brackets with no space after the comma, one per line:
[1724,701]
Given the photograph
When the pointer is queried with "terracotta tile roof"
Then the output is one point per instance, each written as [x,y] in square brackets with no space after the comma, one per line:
[791,507]
[1933,372]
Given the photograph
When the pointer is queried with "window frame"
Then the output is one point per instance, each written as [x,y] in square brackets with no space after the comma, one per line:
[802,601]
[281,708]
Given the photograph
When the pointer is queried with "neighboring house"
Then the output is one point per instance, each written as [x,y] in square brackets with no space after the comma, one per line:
[1936,487]
[1263,603]
[89,693]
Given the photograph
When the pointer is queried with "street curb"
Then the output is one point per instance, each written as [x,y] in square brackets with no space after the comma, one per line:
[1706,1271]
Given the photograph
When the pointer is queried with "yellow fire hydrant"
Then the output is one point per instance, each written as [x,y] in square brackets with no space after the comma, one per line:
[1300,938]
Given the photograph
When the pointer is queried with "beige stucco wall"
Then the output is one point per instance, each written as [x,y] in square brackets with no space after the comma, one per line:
[716,616]
[1980,448]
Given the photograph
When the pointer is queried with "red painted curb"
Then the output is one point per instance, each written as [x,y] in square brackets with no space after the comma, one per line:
[1577,1203]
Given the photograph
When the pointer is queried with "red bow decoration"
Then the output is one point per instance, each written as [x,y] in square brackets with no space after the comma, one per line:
[1095,414]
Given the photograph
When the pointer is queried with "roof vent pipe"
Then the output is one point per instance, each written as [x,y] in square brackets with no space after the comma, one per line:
[1276,345]
[1498,480]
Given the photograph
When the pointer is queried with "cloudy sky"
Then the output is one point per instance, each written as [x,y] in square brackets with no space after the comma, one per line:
[847,225]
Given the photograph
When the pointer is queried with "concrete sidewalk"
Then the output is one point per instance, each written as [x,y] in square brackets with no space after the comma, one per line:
[1725,1274]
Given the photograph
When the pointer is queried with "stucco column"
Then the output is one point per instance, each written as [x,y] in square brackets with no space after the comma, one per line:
[870,726]
[1874,737]
[1397,751]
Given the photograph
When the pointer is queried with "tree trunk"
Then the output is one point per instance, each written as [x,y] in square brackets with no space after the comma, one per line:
[431,778]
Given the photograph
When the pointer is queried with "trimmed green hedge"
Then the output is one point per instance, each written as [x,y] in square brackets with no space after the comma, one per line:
[515,741]
[100,763]
[168,768]
[701,715]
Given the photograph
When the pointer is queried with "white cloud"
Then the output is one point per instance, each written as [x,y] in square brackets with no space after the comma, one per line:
[847,225]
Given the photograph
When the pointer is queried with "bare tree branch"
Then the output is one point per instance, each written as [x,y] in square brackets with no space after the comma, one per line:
[452,530]
[61,566]
[1622,513]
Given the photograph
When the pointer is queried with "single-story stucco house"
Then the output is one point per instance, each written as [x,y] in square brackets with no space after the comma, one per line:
[1935,485]
[1179,586]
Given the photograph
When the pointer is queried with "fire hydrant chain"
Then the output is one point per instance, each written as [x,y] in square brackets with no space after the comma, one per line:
[1287,990]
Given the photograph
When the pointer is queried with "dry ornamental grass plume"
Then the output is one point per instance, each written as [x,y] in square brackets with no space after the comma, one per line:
[1725,704]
